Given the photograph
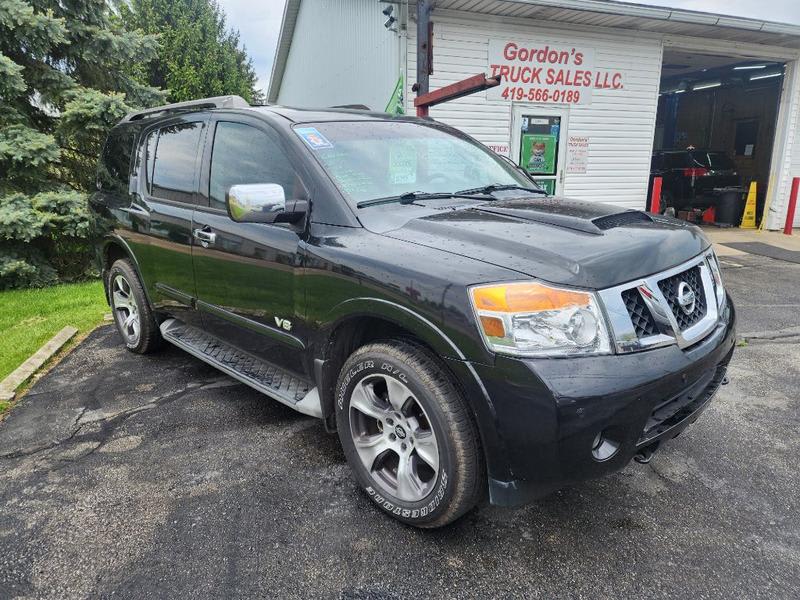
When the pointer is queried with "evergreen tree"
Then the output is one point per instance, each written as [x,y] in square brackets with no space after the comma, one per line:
[68,72]
[198,56]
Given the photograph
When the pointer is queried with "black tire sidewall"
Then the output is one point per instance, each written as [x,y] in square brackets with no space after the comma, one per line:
[430,508]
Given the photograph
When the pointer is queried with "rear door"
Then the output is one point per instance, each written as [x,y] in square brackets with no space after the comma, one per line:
[161,212]
[248,274]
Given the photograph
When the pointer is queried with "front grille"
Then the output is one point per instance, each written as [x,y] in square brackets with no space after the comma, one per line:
[669,287]
[642,319]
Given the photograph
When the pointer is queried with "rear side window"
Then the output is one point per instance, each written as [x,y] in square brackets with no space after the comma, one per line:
[243,154]
[716,161]
[115,168]
[171,154]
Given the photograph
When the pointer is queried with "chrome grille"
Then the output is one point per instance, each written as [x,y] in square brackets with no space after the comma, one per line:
[647,313]
[669,287]
[641,317]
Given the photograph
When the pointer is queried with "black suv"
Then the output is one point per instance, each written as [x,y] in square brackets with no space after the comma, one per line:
[464,333]
[693,178]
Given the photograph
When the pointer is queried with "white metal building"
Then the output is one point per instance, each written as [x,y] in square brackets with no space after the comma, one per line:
[602,66]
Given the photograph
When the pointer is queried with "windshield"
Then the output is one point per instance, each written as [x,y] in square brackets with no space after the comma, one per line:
[381,159]
[716,161]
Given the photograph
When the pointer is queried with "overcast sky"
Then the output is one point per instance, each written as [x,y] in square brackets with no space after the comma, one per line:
[258,21]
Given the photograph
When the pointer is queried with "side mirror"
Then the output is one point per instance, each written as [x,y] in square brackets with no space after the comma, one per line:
[263,203]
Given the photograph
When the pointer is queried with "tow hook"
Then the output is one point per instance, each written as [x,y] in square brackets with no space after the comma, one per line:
[725,380]
[644,455]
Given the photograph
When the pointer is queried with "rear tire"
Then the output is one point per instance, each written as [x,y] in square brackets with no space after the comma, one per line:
[408,434]
[132,315]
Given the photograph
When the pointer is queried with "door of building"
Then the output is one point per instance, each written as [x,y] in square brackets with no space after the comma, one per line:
[538,144]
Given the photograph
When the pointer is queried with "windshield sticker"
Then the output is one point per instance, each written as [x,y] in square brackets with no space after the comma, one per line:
[402,164]
[313,138]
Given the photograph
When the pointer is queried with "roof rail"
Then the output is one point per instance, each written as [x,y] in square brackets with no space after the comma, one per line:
[215,102]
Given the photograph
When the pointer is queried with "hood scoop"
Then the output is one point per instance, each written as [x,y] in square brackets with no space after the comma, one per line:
[629,217]
[592,218]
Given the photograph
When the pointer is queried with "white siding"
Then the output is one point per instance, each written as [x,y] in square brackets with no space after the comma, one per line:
[340,54]
[788,158]
[619,123]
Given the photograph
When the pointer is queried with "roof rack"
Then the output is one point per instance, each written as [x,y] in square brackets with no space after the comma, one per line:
[215,102]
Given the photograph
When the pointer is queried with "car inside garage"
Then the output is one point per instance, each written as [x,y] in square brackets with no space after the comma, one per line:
[715,133]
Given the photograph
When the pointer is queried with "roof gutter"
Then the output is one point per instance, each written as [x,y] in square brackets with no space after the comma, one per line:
[660,13]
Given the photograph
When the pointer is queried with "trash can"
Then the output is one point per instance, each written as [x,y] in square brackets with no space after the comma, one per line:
[729,206]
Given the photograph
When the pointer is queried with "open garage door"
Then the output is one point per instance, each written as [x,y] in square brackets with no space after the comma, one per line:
[715,130]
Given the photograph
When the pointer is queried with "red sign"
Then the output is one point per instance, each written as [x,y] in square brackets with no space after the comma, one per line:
[547,74]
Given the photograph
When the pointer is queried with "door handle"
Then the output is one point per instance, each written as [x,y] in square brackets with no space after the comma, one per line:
[204,236]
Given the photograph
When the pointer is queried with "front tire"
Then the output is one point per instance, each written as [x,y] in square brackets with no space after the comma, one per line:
[132,315]
[408,434]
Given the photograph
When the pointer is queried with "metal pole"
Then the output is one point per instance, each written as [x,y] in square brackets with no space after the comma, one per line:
[423,51]
[787,228]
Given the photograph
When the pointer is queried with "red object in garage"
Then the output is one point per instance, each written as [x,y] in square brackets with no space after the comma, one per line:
[710,215]
[655,199]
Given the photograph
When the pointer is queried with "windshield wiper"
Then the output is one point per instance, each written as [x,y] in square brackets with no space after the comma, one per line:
[411,197]
[499,187]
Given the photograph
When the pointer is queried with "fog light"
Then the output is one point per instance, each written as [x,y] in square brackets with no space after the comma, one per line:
[603,448]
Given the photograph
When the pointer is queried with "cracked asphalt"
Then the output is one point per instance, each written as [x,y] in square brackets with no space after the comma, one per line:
[158,476]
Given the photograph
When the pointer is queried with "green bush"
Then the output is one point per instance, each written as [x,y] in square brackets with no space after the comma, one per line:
[45,239]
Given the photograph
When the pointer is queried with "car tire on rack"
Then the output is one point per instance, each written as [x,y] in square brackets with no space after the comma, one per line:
[408,434]
[131,311]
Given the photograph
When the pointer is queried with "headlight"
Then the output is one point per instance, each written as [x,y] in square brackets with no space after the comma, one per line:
[533,319]
[716,274]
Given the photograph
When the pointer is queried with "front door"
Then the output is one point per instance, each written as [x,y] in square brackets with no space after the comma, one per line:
[538,144]
[248,275]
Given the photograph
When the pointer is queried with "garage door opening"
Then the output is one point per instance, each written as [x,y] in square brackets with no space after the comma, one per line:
[715,130]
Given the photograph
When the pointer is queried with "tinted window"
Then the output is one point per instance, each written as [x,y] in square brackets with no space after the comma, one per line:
[716,161]
[244,154]
[115,167]
[173,169]
[676,160]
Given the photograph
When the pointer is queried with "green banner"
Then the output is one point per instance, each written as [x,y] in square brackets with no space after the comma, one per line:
[395,104]
[538,153]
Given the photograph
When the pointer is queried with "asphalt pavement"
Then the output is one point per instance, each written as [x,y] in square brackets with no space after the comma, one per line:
[157,476]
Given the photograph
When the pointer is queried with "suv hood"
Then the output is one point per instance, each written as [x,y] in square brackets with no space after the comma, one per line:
[582,244]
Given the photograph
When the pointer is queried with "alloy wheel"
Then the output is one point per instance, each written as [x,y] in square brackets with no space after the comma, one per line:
[126,312]
[393,437]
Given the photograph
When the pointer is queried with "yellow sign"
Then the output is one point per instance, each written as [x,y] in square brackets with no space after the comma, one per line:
[749,216]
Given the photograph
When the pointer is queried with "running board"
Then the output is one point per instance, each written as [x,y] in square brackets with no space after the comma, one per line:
[269,379]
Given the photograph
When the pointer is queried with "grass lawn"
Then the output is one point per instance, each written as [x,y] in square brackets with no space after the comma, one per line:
[28,318]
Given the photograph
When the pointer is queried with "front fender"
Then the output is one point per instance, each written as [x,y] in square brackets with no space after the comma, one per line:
[454,361]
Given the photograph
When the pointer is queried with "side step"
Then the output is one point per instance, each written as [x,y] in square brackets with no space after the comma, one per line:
[269,379]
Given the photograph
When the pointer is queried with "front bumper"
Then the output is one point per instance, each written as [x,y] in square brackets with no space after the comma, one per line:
[549,412]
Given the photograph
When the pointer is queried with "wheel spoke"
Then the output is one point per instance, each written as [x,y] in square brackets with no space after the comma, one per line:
[131,323]
[409,485]
[397,392]
[121,301]
[427,450]
[369,447]
[363,400]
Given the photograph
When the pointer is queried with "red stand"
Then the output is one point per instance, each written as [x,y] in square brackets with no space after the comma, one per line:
[655,198]
[787,228]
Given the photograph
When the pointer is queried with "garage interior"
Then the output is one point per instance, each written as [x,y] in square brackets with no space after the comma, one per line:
[721,103]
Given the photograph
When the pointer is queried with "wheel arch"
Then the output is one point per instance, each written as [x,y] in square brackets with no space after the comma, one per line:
[364,320]
[112,249]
